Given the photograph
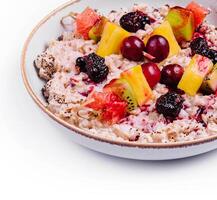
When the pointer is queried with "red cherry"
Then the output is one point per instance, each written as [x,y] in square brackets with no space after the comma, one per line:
[132,48]
[158,46]
[152,73]
[171,75]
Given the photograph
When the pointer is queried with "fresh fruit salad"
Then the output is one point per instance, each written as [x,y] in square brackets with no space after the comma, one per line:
[141,75]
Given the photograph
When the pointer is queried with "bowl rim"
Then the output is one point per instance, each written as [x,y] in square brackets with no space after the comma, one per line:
[73,128]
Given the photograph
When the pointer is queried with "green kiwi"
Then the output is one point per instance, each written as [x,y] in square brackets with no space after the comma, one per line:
[209,85]
[123,89]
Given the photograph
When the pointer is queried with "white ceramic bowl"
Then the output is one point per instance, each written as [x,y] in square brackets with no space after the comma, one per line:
[49,28]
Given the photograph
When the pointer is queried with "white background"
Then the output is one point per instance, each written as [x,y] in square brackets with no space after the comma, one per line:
[38,159]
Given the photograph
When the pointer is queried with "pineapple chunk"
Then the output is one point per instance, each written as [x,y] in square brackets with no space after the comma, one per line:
[139,84]
[166,31]
[194,74]
[111,40]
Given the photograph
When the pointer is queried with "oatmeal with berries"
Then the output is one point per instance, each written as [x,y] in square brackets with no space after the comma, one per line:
[142,75]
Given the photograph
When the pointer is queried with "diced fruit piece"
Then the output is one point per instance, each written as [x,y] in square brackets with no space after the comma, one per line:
[166,31]
[139,84]
[158,47]
[182,22]
[85,21]
[171,75]
[132,48]
[199,11]
[95,32]
[194,74]
[134,21]
[122,88]
[112,38]
[170,105]
[152,73]
[111,108]
[209,85]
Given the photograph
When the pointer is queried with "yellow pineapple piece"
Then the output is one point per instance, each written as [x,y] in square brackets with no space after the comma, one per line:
[139,84]
[166,31]
[111,40]
[194,74]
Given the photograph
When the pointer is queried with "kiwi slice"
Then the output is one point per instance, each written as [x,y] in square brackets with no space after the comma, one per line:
[209,85]
[122,88]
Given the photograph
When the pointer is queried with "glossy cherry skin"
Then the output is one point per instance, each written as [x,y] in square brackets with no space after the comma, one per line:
[152,73]
[158,46]
[132,48]
[171,75]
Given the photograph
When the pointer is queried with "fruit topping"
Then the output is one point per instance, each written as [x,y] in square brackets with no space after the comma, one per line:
[170,105]
[182,22]
[152,73]
[194,74]
[199,46]
[209,85]
[94,66]
[81,64]
[111,40]
[139,84]
[134,21]
[166,31]
[158,46]
[212,55]
[199,12]
[111,108]
[171,75]
[85,21]
[123,89]
[95,32]
[132,48]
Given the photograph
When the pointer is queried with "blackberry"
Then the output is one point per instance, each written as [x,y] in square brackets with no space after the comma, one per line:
[212,55]
[199,46]
[170,105]
[94,66]
[81,63]
[97,71]
[134,21]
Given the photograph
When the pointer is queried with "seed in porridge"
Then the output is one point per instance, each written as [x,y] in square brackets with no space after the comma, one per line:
[171,75]
[158,46]
[166,31]
[182,22]
[170,105]
[132,48]
[152,73]
[123,89]
[134,21]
